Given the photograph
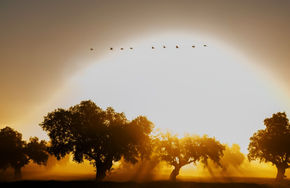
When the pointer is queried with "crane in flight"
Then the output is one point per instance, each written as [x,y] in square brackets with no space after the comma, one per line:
[152,47]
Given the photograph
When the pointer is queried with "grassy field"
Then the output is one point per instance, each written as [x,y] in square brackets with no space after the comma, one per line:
[156,184]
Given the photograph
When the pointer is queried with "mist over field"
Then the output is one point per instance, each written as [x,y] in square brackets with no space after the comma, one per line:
[144,93]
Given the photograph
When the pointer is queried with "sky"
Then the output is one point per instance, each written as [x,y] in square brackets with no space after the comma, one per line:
[46,62]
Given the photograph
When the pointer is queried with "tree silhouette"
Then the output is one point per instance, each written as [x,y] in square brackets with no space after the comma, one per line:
[100,136]
[189,149]
[272,143]
[16,153]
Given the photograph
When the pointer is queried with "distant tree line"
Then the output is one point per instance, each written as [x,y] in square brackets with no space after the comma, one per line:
[103,137]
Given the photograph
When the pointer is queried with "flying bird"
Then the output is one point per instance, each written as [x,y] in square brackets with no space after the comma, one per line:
[131,48]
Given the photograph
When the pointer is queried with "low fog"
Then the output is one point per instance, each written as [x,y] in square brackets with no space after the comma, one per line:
[235,167]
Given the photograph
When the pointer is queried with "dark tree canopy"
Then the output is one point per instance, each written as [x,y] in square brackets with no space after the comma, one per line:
[100,136]
[179,152]
[16,153]
[11,146]
[272,143]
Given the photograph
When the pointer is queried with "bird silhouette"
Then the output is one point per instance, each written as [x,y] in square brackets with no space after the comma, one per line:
[153,47]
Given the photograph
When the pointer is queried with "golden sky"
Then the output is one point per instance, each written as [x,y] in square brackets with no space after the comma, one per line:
[45,62]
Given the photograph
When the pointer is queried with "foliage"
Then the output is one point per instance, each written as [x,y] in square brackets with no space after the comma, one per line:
[16,153]
[232,157]
[100,136]
[179,152]
[272,143]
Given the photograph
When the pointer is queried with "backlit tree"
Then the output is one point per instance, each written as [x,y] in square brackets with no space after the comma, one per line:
[100,136]
[272,144]
[179,152]
[17,153]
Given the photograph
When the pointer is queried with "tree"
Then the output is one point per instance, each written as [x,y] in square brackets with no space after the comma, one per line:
[174,151]
[210,148]
[189,149]
[232,157]
[272,143]
[100,136]
[16,153]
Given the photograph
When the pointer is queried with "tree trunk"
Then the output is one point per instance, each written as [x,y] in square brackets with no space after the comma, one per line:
[17,173]
[281,172]
[100,173]
[102,168]
[174,173]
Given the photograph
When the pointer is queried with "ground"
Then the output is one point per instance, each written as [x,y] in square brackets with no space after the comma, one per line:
[155,184]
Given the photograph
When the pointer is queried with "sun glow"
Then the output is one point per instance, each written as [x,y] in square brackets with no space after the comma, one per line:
[200,90]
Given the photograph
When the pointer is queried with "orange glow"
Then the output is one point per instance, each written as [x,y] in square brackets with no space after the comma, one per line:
[203,90]
[195,67]
[66,169]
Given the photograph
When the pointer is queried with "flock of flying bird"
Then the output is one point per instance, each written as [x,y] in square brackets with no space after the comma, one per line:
[153,47]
